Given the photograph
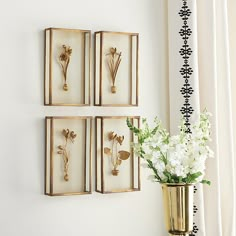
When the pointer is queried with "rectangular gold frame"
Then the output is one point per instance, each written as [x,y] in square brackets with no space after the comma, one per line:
[50,193]
[50,30]
[96,61]
[133,189]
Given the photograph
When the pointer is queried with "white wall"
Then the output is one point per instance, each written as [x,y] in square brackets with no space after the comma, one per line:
[24,210]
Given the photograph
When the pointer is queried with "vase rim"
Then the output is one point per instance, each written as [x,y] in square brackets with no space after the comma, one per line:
[176,184]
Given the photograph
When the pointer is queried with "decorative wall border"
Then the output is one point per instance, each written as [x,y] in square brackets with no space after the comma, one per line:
[186,71]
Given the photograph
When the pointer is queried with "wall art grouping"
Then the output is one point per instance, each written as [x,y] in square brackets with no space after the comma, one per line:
[67,68]
[68,155]
[67,82]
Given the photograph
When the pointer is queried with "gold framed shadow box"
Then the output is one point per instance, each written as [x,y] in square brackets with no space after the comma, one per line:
[68,155]
[117,166]
[67,67]
[116,69]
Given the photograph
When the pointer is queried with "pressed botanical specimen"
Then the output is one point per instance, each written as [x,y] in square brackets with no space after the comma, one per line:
[64,59]
[63,150]
[114,59]
[116,156]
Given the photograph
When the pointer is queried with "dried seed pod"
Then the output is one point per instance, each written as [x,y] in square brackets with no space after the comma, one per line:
[113,51]
[120,139]
[111,136]
[118,162]
[65,87]
[63,57]
[115,172]
[64,132]
[73,135]
[123,155]
[66,177]
[60,147]
[69,51]
[107,151]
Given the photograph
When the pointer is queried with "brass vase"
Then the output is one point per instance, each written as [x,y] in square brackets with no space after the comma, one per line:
[178,207]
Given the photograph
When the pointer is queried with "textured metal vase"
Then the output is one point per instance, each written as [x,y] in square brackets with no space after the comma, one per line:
[178,207]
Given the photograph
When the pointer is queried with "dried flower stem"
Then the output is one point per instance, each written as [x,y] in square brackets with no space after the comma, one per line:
[113,64]
[114,158]
[115,155]
[69,135]
[64,62]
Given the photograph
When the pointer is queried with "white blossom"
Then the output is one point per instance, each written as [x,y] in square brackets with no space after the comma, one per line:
[177,157]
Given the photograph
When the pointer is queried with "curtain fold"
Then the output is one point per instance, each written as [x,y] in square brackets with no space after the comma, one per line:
[232,51]
[215,93]
[202,77]
[208,97]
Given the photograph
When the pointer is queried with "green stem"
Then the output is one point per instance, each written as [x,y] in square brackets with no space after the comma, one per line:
[151,166]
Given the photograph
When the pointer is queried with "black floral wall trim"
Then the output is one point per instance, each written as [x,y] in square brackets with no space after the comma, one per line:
[186,71]
[195,230]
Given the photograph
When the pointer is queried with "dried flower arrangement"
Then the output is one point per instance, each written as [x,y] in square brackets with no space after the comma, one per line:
[62,150]
[64,62]
[116,156]
[114,59]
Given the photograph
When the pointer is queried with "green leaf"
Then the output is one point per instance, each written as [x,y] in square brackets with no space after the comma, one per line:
[132,127]
[153,132]
[163,158]
[175,178]
[168,175]
[204,181]
[180,179]
[151,166]
[191,178]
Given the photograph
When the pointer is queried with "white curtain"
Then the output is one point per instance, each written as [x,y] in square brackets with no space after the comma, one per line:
[202,74]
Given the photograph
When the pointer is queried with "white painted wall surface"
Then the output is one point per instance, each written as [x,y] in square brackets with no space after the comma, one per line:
[24,210]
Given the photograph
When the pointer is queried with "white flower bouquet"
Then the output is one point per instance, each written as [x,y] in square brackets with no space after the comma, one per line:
[174,159]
